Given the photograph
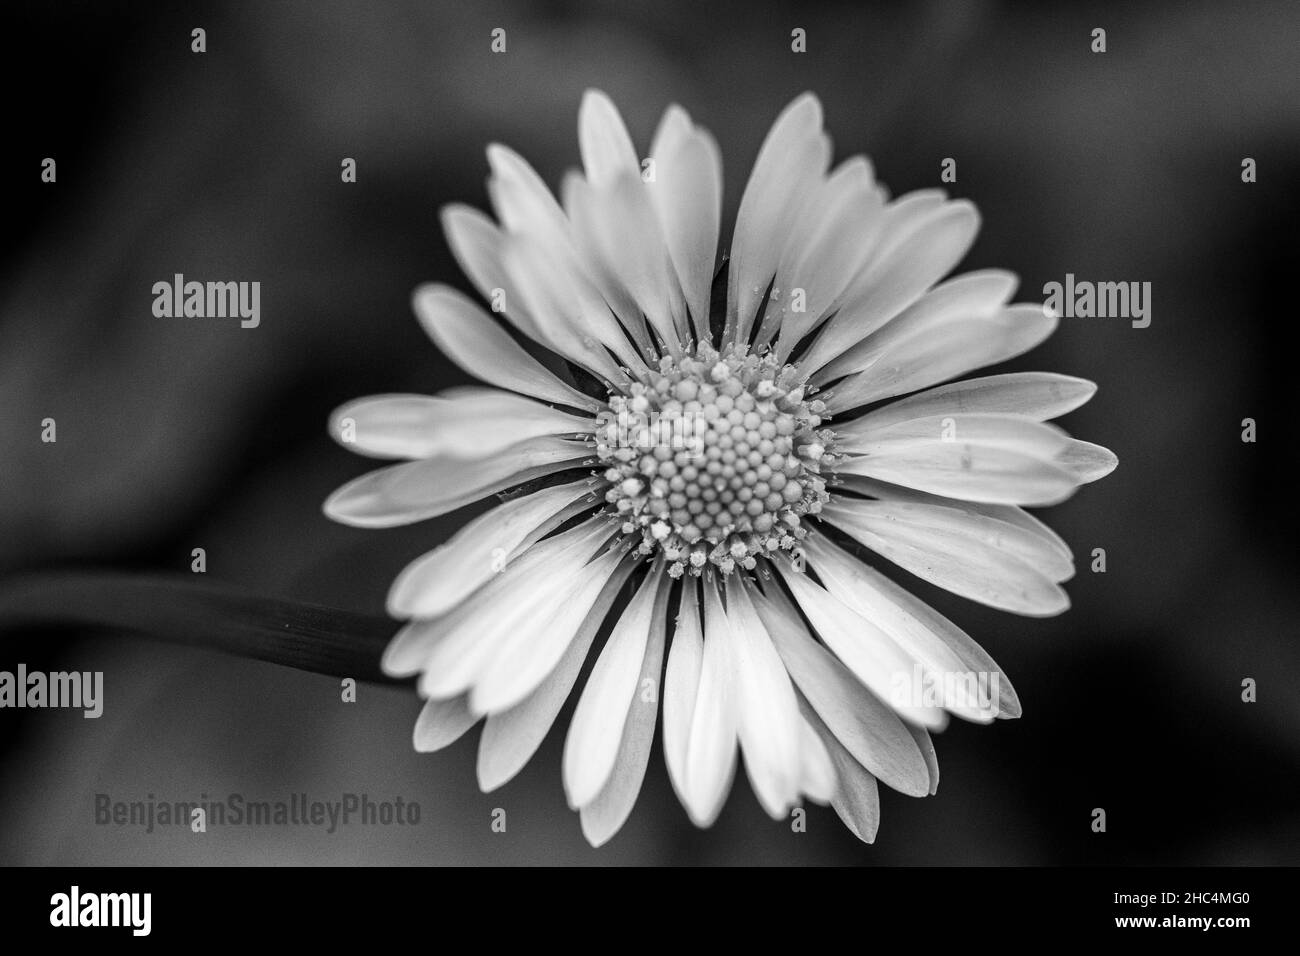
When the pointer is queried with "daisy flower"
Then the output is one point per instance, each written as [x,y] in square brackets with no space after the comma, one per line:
[694,452]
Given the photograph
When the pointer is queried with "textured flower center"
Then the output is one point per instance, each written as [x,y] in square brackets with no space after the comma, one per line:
[713,459]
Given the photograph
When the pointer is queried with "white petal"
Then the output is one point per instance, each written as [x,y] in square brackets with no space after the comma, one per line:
[767,711]
[832,242]
[591,747]
[946,527]
[681,685]
[1037,395]
[926,745]
[522,201]
[1000,459]
[472,340]
[550,296]
[687,197]
[1086,461]
[791,163]
[857,798]
[410,647]
[476,242]
[511,737]
[711,749]
[817,777]
[909,355]
[1011,514]
[873,656]
[524,658]
[466,422]
[978,558]
[473,632]
[617,226]
[858,719]
[934,641]
[387,426]
[606,147]
[436,582]
[845,345]
[577,195]
[914,256]
[441,723]
[603,816]
[416,490]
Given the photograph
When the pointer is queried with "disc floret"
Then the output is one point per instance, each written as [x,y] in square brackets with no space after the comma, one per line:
[714,458]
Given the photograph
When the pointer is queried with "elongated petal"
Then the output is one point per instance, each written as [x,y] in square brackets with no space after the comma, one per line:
[768,713]
[791,163]
[388,426]
[1087,462]
[617,226]
[858,719]
[926,746]
[606,814]
[607,149]
[847,344]
[963,558]
[831,243]
[916,253]
[435,583]
[873,656]
[1036,395]
[933,640]
[1012,514]
[591,747]
[817,776]
[477,243]
[961,532]
[416,490]
[525,657]
[857,798]
[410,649]
[1000,459]
[511,737]
[470,636]
[711,749]
[550,294]
[681,685]
[472,340]
[687,197]
[911,355]
[462,423]
[523,203]
[441,723]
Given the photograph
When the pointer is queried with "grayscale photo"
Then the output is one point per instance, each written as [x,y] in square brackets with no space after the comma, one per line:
[591,433]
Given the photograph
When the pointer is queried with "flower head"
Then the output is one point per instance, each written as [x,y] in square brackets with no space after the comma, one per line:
[700,466]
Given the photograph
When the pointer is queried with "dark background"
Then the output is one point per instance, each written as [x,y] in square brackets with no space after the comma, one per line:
[175,434]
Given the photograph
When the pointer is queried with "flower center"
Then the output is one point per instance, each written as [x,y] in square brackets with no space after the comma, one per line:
[714,458]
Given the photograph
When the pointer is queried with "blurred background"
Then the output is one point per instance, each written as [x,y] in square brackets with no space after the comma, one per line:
[175,434]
